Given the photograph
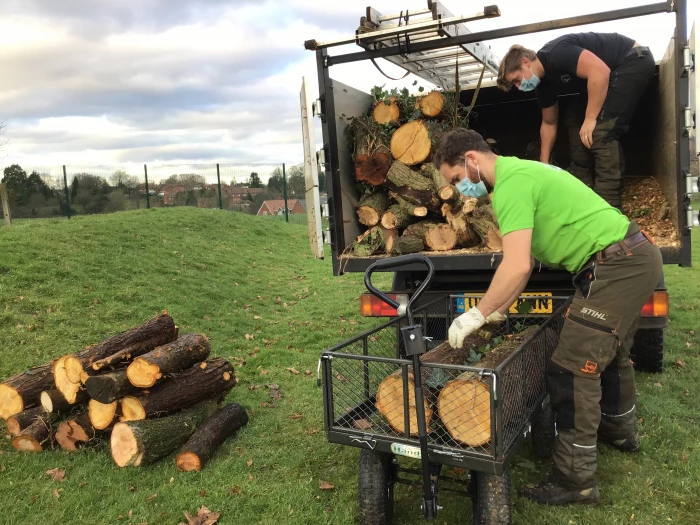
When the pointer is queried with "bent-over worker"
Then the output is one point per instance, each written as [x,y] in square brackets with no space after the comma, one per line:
[546,213]
[610,73]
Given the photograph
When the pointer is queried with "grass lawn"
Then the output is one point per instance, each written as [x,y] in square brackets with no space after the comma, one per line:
[66,284]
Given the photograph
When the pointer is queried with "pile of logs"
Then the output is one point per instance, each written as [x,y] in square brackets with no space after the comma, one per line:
[407,206]
[146,389]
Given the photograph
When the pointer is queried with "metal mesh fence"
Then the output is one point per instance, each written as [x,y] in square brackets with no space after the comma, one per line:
[472,409]
[54,191]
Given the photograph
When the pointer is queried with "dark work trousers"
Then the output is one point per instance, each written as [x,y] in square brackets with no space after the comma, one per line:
[602,166]
[590,378]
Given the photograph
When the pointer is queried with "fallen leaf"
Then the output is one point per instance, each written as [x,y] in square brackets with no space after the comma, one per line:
[130,513]
[362,424]
[691,333]
[202,493]
[278,300]
[272,386]
[684,458]
[55,493]
[58,474]
[325,485]
[275,394]
[296,416]
[265,404]
[82,484]
[249,462]
[340,377]
[680,363]
[249,337]
[688,344]
[234,490]
[256,317]
[203,517]
[132,488]
[293,370]
[307,372]
[312,431]
[263,372]
[253,387]
[658,384]
[151,497]
[3,468]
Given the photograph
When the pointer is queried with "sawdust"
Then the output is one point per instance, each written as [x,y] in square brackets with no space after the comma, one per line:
[644,202]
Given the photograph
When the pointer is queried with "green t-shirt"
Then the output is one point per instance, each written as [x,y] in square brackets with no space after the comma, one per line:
[569,221]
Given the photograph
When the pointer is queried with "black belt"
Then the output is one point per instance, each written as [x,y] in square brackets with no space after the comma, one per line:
[626,245]
[639,50]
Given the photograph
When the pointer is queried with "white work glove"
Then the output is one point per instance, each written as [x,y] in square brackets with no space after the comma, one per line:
[495,318]
[465,325]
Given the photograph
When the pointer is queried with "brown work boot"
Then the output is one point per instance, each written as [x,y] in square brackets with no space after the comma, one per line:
[629,445]
[549,492]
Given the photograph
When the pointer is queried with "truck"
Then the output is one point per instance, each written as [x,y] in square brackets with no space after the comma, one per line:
[660,145]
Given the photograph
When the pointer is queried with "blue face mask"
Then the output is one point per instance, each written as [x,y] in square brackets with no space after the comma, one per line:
[528,84]
[468,188]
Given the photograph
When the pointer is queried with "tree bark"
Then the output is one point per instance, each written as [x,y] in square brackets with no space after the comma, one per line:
[431,104]
[389,237]
[211,379]
[75,433]
[403,245]
[432,173]
[423,198]
[187,350]
[369,243]
[384,113]
[437,237]
[53,401]
[23,390]
[396,217]
[113,352]
[36,437]
[206,439]
[401,175]
[413,209]
[450,195]
[372,168]
[484,221]
[136,443]
[390,400]
[411,143]
[371,208]
[106,388]
[458,217]
[464,404]
[19,422]
[103,415]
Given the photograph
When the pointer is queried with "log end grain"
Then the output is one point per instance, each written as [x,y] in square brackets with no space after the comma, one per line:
[410,144]
[143,374]
[188,462]
[441,238]
[11,402]
[465,410]
[102,414]
[46,401]
[68,388]
[132,409]
[390,403]
[384,113]
[431,104]
[74,369]
[124,446]
[13,426]
[368,216]
[26,444]
[64,437]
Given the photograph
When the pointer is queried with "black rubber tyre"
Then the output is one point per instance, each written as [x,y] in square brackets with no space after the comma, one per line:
[543,430]
[491,498]
[375,488]
[647,352]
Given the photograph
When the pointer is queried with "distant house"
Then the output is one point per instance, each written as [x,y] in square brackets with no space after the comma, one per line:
[242,191]
[276,207]
[169,191]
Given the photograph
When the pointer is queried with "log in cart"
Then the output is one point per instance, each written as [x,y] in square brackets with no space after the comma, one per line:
[395,393]
[386,200]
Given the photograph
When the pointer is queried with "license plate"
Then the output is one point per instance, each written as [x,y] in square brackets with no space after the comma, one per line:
[405,450]
[522,306]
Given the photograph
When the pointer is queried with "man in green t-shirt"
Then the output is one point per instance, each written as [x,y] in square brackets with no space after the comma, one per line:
[547,214]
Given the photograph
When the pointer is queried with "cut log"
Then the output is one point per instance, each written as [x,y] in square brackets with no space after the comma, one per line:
[213,381]
[106,388]
[19,422]
[431,104]
[384,113]
[206,439]
[369,243]
[450,194]
[436,237]
[136,443]
[23,391]
[75,433]
[103,415]
[389,237]
[404,244]
[413,209]
[423,198]
[114,352]
[373,169]
[458,217]
[390,400]
[484,221]
[187,350]
[464,404]
[396,217]
[36,437]
[54,402]
[401,175]
[372,207]
[432,173]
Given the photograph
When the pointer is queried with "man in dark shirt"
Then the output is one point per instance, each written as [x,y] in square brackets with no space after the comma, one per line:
[610,73]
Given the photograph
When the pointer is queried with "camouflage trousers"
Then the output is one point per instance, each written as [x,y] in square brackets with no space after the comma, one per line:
[590,378]
[602,166]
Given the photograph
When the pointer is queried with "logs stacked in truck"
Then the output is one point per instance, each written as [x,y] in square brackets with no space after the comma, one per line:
[140,392]
[405,203]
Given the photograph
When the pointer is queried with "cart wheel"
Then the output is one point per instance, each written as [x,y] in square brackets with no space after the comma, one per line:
[543,430]
[491,498]
[376,488]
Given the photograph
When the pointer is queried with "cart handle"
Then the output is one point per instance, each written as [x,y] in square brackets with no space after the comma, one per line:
[395,262]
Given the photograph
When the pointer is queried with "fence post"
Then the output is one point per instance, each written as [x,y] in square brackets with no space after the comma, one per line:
[65,189]
[5,204]
[286,210]
[218,181]
[148,193]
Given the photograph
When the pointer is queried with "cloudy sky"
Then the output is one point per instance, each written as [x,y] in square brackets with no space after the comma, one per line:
[115,81]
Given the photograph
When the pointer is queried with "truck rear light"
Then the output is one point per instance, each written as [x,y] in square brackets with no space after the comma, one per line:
[656,306]
[373,306]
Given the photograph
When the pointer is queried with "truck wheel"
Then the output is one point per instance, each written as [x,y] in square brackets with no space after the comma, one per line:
[543,430]
[376,488]
[647,352]
[491,498]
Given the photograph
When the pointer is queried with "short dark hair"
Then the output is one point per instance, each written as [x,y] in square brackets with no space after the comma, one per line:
[456,143]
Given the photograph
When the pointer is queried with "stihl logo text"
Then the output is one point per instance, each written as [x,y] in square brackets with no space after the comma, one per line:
[593,313]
